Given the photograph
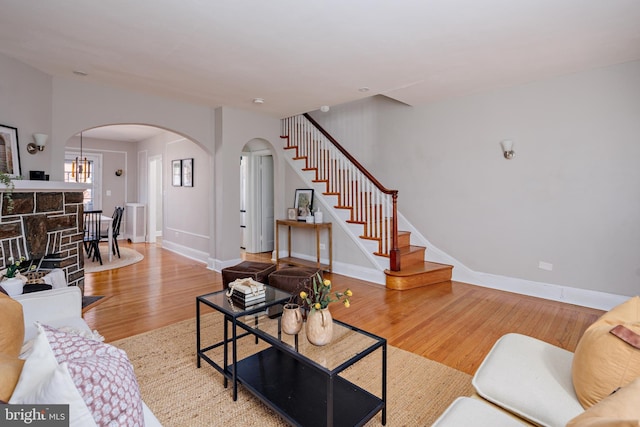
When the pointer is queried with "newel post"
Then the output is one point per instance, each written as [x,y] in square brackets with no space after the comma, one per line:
[394,254]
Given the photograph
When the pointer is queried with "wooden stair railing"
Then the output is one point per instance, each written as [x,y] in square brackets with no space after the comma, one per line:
[369,202]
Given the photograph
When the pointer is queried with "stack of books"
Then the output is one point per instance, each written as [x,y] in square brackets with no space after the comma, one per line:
[246,292]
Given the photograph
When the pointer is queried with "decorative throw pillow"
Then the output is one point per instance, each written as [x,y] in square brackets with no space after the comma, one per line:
[11,326]
[10,369]
[603,362]
[35,277]
[92,335]
[628,311]
[620,409]
[99,373]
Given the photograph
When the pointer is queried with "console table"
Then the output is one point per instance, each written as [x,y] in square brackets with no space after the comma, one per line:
[299,261]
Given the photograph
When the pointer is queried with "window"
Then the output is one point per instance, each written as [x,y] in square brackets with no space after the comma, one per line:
[92,195]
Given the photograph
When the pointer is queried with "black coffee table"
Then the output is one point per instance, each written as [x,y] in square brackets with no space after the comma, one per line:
[220,302]
[307,385]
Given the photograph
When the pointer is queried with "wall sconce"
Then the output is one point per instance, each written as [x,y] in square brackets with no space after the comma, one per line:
[507,148]
[118,172]
[40,141]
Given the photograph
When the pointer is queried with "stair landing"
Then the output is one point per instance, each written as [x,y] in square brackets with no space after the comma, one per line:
[418,275]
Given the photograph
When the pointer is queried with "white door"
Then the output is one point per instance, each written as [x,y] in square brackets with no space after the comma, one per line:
[266,204]
[155,198]
[256,206]
[244,238]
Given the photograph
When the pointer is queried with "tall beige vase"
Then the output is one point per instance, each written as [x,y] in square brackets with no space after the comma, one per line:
[319,327]
[291,319]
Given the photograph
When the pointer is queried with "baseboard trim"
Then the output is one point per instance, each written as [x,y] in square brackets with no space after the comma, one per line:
[566,294]
[186,251]
[218,265]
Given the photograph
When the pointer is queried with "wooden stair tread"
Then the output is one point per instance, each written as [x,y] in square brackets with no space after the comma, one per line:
[424,267]
[411,248]
[418,275]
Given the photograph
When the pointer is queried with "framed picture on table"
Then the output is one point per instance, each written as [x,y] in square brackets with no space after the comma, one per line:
[176,173]
[292,214]
[303,203]
[9,151]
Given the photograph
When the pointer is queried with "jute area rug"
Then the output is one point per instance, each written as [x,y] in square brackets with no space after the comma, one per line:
[128,256]
[179,394]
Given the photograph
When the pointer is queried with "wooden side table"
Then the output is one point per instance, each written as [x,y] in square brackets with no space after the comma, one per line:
[299,261]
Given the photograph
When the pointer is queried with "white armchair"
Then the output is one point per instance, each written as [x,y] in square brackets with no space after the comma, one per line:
[62,308]
[55,307]
[525,381]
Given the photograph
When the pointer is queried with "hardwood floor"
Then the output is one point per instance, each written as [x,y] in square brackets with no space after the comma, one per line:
[452,323]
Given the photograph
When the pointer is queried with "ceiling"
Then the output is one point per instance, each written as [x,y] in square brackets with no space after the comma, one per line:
[300,55]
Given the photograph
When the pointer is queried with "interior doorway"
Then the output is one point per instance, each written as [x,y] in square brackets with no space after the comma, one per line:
[257,198]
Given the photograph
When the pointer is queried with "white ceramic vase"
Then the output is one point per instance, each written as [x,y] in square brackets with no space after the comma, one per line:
[13,286]
[319,327]
[291,319]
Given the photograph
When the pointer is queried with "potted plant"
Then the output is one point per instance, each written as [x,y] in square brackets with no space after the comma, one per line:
[10,283]
[316,298]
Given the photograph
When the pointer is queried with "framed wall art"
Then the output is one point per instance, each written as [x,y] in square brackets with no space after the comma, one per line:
[176,173]
[9,151]
[303,203]
[187,172]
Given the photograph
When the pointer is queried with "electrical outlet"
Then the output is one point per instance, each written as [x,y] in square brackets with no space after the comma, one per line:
[545,266]
[322,246]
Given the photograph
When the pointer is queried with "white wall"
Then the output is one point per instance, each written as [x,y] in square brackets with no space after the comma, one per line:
[185,215]
[79,105]
[570,197]
[234,129]
[186,220]
[25,104]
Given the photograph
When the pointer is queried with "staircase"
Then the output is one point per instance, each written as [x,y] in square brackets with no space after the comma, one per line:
[368,209]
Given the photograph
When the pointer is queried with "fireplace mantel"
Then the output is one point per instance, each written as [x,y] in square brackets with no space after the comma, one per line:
[26,185]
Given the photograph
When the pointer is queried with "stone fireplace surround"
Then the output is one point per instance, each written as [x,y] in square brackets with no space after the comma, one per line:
[45,224]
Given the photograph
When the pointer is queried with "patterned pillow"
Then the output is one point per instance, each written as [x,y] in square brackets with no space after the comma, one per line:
[102,374]
[95,379]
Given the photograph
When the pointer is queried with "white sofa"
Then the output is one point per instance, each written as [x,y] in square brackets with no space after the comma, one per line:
[61,308]
[524,376]
[525,381]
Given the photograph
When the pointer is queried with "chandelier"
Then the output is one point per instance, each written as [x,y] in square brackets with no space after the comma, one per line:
[81,167]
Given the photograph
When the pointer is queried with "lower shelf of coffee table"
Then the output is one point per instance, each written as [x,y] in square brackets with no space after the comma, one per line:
[299,393]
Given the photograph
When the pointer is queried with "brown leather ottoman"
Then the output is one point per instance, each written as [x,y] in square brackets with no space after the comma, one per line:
[258,271]
[292,279]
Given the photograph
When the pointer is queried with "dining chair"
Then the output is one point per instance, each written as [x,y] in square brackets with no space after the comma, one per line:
[115,226]
[92,234]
